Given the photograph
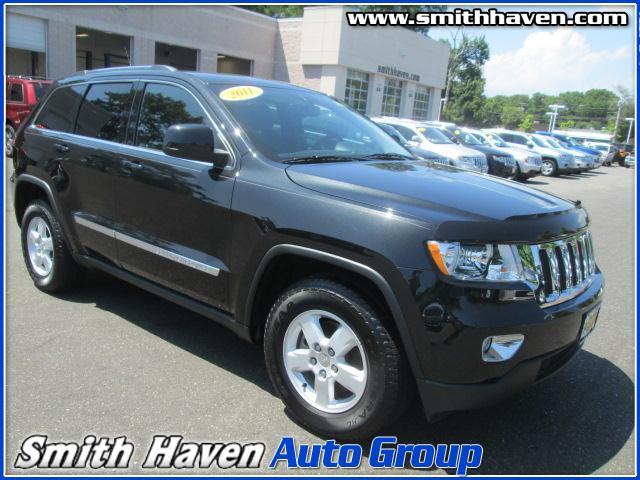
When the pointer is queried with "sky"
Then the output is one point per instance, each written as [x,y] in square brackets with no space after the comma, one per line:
[555,59]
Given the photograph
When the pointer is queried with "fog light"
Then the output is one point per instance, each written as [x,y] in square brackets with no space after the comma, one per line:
[501,348]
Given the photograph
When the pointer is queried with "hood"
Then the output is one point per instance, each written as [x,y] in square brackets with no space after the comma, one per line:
[519,153]
[450,150]
[552,152]
[433,193]
[487,150]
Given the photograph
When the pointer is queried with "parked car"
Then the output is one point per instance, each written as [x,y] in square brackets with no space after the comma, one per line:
[300,225]
[417,151]
[430,138]
[554,162]
[529,163]
[587,160]
[22,94]
[570,143]
[501,164]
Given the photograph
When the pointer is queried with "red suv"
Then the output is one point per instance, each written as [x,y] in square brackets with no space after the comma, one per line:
[22,95]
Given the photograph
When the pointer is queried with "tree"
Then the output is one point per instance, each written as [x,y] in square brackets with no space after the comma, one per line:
[627,110]
[568,124]
[276,11]
[526,125]
[464,90]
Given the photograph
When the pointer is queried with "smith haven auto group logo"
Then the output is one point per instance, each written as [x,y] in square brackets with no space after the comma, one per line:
[172,452]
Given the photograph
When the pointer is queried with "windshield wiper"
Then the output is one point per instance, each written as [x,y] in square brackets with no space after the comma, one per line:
[387,156]
[319,159]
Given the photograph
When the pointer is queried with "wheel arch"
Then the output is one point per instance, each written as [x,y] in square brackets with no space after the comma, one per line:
[356,275]
[29,188]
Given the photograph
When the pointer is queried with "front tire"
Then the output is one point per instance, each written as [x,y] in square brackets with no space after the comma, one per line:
[45,253]
[549,168]
[332,361]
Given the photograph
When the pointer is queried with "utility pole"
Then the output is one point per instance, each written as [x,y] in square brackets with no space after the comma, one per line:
[630,120]
[615,129]
[554,115]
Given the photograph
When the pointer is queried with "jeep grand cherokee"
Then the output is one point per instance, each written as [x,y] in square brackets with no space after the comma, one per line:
[298,223]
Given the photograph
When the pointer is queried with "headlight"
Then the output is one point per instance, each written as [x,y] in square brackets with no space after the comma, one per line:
[498,263]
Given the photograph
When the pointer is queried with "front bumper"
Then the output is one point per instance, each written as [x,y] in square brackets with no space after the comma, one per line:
[529,169]
[463,381]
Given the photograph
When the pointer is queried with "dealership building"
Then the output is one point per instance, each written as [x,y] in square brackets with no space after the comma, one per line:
[377,70]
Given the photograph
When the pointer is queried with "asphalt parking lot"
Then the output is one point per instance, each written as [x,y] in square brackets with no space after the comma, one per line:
[112,360]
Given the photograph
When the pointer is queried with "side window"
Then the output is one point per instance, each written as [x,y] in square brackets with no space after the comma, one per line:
[519,139]
[59,112]
[105,111]
[163,106]
[16,94]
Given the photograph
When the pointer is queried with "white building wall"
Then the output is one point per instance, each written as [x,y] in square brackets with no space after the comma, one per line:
[314,51]
[209,29]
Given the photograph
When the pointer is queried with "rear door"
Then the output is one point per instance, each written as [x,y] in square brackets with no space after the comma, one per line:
[173,214]
[77,137]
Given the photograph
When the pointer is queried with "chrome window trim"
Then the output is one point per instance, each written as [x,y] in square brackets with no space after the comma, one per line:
[147,247]
[226,142]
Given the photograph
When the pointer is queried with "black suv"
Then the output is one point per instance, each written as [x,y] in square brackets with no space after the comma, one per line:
[501,164]
[298,223]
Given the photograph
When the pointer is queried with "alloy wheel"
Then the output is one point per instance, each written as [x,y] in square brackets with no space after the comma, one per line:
[325,361]
[40,246]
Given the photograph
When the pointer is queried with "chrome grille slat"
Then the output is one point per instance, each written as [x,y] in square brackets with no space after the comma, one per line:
[564,268]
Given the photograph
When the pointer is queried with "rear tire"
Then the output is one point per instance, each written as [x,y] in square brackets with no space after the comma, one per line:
[367,385]
[9,136]
[45,253]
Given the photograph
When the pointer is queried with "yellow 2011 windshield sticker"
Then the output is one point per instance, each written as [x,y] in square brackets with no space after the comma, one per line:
[236,94]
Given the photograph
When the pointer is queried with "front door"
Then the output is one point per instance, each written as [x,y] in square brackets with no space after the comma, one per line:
[173,215]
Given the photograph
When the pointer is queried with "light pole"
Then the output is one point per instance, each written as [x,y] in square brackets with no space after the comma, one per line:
[615,129]
[630,120]
[441,107]
[554,115]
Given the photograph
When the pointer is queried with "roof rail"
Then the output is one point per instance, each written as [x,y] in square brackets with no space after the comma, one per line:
[132,67]
[28,77]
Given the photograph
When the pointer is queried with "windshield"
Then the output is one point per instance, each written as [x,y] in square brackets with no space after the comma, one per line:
[538,141]
[496,139]
[469,139]
[434,135]
[553,143]
[286,124]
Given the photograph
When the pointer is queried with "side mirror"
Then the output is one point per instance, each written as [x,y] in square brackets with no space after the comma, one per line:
[193,142]
[530,144]
[416,139]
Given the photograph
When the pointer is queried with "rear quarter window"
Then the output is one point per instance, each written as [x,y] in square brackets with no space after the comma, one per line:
[59,111]
[16,93]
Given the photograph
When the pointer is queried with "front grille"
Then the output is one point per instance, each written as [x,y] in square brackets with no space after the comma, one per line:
[510,162]
[560,270]
[479,162]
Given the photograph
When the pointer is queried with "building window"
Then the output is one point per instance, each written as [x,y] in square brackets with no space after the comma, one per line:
[391,97]
[421,103]
[98,49]
[178,57]
[357,90]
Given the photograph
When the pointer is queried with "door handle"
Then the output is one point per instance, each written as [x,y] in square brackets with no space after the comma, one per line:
[61,148]
[132,166]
